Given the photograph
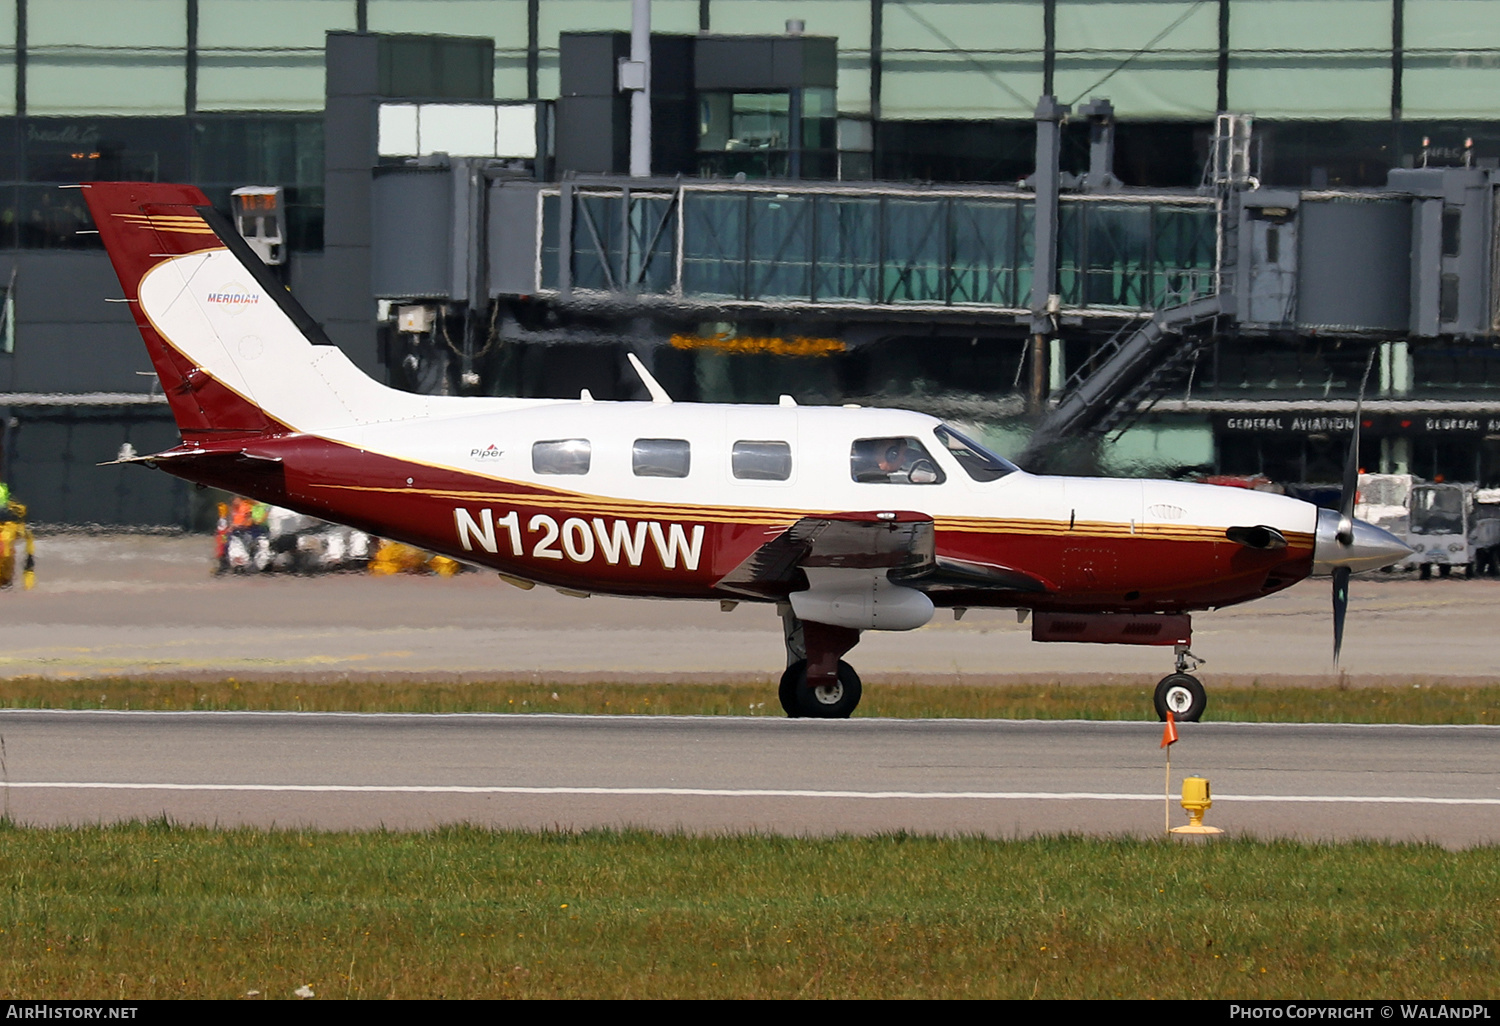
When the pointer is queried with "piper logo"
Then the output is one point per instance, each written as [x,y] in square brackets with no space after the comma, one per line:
[233,298]
[492,452]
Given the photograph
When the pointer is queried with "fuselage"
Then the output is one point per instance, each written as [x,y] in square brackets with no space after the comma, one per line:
[558,492]
[659,498]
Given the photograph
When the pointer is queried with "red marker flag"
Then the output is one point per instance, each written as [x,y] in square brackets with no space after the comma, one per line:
[1169,733]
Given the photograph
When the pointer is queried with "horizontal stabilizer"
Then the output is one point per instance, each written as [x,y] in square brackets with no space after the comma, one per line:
[196,454]
[231,467]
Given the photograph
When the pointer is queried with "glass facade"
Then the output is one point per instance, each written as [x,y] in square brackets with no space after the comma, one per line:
[229,92]
[937,59]
[265,54]
[1311,58]
[1153,59]
[962,60]
[106,57]
[768,134]
[216,152]
[504,21]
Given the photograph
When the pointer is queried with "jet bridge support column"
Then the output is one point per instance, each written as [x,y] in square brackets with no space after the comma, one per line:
[637,79]
[1044,300]
[466,287]
[1101,117]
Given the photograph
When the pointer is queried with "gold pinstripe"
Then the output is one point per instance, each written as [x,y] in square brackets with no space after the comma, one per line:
[180,224]
[580,503]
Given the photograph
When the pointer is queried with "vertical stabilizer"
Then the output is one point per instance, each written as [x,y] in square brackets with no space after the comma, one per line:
[235,353]
[143,228]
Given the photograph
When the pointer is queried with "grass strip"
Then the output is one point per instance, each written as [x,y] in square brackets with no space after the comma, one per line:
[153,911]
[1383,704]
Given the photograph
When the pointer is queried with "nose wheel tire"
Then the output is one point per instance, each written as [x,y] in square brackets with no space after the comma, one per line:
[835,701]
[1183,694]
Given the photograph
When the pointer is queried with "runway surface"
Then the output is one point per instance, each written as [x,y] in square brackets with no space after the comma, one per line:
[108,605]
[702,774]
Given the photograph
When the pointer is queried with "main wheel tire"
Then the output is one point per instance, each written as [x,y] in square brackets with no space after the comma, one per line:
[1183,694]
[835,701]
[1445,569]
[791,680]
[1425,572]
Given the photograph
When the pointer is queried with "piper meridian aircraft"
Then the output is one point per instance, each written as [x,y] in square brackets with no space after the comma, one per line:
[847,519]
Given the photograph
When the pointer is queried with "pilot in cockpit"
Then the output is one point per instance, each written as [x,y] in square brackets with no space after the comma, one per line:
[892,461]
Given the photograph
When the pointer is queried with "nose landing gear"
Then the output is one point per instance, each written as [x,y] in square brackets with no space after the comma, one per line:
[1181,692]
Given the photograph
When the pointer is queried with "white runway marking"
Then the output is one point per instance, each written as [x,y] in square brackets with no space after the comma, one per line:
[712,792]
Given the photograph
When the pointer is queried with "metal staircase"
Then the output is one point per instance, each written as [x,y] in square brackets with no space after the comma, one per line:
[1134,368]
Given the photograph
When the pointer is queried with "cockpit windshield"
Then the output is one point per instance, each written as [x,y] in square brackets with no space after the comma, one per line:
[977,461]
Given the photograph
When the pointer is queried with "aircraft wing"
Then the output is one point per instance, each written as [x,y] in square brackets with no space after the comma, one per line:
[902,544]
[949,574]
[899,541]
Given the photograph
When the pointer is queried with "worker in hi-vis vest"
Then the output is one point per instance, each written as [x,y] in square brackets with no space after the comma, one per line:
[13,532]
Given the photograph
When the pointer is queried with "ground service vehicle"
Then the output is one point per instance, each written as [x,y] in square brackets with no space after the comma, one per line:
[1384,501]
[844,520]
[1440,522]
[1484,531]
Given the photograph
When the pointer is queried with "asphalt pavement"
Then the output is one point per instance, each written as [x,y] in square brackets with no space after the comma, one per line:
[722,774]
[108,605]
[150,606]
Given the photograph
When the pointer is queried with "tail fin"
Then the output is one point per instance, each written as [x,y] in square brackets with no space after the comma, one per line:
[235,353]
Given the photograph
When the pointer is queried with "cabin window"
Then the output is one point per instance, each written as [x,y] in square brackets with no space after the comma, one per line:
[977,461]
[661,457]
[761,461]
[561,456]
[893,461]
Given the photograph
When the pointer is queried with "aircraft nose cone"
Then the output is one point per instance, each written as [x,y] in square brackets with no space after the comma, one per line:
[1371,548]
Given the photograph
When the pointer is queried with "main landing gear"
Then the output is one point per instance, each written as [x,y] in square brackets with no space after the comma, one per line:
[817,682]
[1181,693]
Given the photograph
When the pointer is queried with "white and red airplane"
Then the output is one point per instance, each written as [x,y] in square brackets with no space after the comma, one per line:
[847,519]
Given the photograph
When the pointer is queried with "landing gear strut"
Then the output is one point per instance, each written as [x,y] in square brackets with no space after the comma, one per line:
[1181,692]
[817,683]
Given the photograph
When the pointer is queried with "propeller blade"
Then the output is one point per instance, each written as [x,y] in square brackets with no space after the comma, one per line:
[1340,607]
[1350,490]
[1345,534]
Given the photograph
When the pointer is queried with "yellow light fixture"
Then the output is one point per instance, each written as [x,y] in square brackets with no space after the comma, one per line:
[1196,800]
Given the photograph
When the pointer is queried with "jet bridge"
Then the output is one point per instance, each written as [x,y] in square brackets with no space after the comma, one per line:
[1136,281]
[846,250]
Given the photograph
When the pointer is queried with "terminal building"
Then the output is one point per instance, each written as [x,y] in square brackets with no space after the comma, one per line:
[1166,237]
